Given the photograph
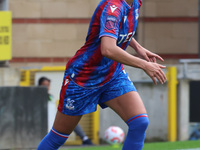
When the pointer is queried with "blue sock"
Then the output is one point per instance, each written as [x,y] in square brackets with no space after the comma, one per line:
[136,133]
[52,141]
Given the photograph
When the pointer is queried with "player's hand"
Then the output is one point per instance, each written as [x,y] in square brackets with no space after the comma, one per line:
[148,56]
[154,71]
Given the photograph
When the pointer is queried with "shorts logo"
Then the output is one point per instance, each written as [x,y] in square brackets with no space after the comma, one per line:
[111,22]
[69,104]
[66,81]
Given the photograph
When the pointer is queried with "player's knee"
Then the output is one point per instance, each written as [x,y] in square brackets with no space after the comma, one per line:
[144,123]
[139,123]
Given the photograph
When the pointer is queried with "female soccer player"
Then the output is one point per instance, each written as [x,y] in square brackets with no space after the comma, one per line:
[95,75]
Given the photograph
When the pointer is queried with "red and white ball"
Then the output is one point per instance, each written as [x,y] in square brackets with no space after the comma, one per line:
[114,135]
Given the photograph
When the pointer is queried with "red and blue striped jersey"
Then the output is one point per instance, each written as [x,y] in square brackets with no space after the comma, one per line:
[113,18]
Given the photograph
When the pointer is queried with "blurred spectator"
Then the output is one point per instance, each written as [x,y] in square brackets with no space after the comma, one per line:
[52,109]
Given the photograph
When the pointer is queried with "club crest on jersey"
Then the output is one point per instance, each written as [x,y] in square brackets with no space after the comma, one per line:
[111,22]
[70,104]
[113,8]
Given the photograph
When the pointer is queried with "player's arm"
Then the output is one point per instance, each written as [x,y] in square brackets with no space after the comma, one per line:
[144,53]
[110,50]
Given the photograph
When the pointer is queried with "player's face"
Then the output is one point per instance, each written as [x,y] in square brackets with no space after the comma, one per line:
[46,83]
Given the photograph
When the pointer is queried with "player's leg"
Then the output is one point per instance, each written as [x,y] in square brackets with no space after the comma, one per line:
[127,105]
[85,139]
[65,123]
[131,109]
[66,118]
[62,128]
[75,101]
[79,131]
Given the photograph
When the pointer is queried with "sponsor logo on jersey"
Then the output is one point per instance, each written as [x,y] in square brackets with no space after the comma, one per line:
[111,22]
[125,37]
[113,8]
[69,104]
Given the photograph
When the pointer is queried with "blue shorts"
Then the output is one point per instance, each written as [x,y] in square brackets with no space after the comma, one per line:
[76,100]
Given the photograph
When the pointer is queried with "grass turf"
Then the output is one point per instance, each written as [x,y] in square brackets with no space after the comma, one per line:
[151,146]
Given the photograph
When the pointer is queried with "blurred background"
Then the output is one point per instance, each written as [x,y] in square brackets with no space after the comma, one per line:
[38,37]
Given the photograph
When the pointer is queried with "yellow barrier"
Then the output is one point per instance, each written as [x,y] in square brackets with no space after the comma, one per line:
[25,78]
[5,35]
[95,123]
[172,103]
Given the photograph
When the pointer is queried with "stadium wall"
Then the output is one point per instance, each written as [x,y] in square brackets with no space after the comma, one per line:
[9,77]
[23,112]
[51,31]
[23,117]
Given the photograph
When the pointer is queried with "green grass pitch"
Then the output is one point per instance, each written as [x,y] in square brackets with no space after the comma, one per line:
[187,145]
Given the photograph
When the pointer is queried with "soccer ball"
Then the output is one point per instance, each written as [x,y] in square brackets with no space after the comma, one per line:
[114,135]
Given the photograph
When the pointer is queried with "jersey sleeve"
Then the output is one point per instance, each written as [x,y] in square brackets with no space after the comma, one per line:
[110,21]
